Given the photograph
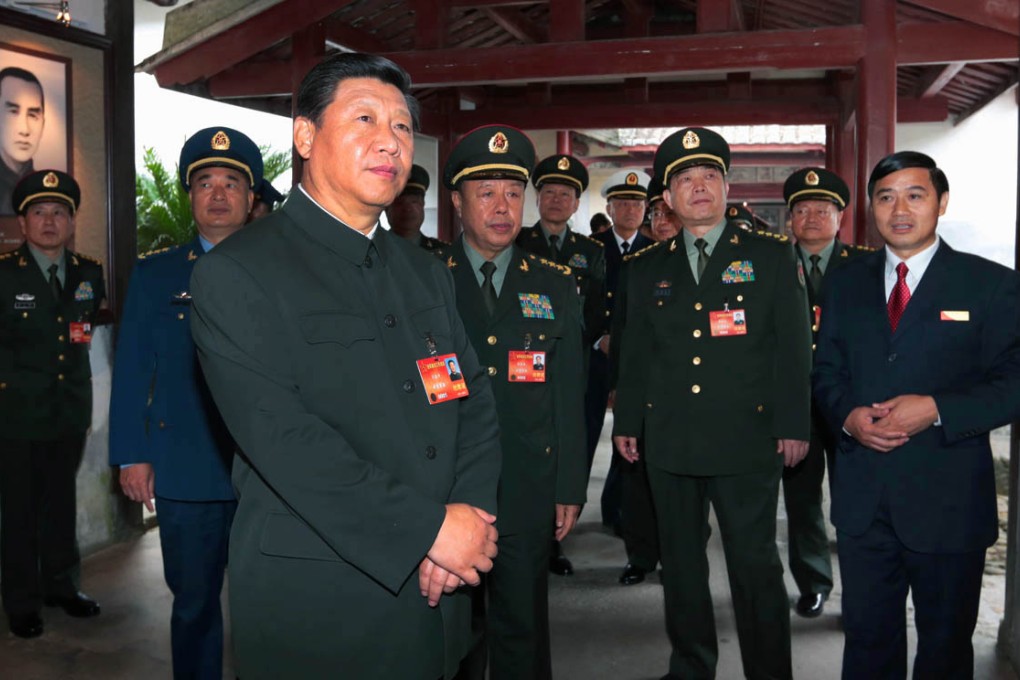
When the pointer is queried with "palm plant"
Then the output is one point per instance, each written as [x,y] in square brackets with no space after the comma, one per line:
[162,206]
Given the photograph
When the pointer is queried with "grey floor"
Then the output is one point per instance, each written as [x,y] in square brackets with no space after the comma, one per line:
[600,630]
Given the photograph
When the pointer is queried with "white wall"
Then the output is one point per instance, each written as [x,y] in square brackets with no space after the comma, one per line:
[979,156]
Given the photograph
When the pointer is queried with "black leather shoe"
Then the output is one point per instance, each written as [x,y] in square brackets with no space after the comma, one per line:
[26,625]
[632,575]
[561,566]
[811,605]
[78,605]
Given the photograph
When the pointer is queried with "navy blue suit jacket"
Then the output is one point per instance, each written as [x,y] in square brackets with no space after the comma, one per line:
[940,485]
[161,411]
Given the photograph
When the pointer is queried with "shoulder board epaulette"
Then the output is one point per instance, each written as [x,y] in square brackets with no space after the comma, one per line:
[561,268]
[88,258]
[638,253]
[597,242]
[782,238]
[8,255]
[157,251]
[863,249]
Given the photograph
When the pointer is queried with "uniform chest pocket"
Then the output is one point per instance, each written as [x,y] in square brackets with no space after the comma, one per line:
[333,327]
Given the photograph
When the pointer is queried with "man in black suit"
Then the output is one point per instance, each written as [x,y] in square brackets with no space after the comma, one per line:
[918,359]
[816,198]
[625,192]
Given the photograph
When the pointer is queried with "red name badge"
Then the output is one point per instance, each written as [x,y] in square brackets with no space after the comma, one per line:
[526,366]
[81,331]
[728,322]
[442,378]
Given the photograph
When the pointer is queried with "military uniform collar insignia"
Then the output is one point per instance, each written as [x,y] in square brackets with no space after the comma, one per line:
[735,240]
[524,265]
[672,245]
[192,256]
[22,262]
[74,260]
[450,262]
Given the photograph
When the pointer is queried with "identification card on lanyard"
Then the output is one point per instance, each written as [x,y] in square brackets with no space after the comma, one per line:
[81,332]
[526,365]
[441,375]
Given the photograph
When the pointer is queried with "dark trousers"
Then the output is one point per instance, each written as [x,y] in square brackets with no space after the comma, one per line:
[194,538]
[638,524]
[745,506]
[877,571]
[517,612]
[596,396]
[810,558]
[38,531]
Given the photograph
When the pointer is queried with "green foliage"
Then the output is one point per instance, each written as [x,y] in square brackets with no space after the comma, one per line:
[162,206]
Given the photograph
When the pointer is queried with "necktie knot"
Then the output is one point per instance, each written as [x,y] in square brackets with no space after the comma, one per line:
[815,259]
[901,271]
[625,247]
[488,269]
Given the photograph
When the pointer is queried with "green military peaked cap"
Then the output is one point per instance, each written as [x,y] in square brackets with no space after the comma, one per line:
[418,182]
[561,169]
[490,152]
[46,185]
[220,147]
[689,147]
[738,212]
[655,190]
[816,184]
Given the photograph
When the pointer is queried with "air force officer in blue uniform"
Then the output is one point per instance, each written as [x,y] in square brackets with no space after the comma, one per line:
[165,431]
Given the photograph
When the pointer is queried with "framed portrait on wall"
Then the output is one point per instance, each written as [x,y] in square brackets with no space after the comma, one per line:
[35,123]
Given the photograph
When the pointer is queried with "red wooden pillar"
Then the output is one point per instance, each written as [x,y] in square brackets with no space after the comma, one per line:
[846,167]
[563,145]
[876,103]
[447,226]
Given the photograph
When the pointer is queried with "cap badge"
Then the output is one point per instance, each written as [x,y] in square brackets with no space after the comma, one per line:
[220,141]
[631,179]
[811,179]
[691,140]
[499,143]
[563,164]
[733,212]
[50,181]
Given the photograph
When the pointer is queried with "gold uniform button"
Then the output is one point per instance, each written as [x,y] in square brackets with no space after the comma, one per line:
[3,386]
[60,376]
[659,303]
[697,306]
[649,405]
[60,338]
[697,333]
[60,319]
[492,370]
[813,347]
[180,315]
[696,361]
[162,425]
[609,293]
[740,298]
[541,336]
[548,450]
[695,388]
[761,408]
[24,315]
[607,312]
[60,357]
[491,340]
[814,328]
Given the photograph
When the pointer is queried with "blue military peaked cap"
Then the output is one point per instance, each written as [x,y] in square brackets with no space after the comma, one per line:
[220,147]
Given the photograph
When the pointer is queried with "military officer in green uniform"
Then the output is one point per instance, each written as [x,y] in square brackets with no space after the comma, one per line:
[518,307]
[665,223]
[366,477]
[407,212]
[738,214]
[50,298]
[560,181]
[816,199]
[715,359]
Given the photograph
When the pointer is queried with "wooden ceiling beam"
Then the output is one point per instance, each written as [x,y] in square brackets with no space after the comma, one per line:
[567,21]
[244,40]
[342,33]
[516,24]
[819,48]
[986,100]
[933,109]
[720,16]
[994,14]
[478,4]
[430,24]
[935,78]
[922,42]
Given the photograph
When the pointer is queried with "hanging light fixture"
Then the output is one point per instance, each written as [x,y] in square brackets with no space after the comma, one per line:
[62,8]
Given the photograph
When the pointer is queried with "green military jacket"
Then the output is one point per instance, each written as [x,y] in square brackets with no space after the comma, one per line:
[433,245]
[586,259]
[841,253]
[541,424]
[309,336]
[715,404]
[45,377]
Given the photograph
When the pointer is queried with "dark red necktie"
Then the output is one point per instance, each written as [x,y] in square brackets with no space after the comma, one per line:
[900,296]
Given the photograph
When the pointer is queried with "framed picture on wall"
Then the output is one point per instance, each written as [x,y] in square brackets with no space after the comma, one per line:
[35,123]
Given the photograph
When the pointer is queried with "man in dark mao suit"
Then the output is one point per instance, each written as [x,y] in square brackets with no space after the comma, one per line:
[50,297]
[166,435]
[817,199]
[517,307]
[560,180]
[361,501]
[918,359]
[714,369]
